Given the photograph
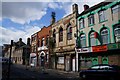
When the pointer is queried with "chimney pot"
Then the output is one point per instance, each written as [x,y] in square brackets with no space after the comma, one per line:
[86,7]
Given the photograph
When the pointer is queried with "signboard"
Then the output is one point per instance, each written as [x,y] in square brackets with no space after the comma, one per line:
[99,48]
[83,50]
[112,46]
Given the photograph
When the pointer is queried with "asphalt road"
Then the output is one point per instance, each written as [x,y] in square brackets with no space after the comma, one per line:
[20,73]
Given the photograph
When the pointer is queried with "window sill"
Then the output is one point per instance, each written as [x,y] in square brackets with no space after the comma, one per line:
[91,25]
[103,21]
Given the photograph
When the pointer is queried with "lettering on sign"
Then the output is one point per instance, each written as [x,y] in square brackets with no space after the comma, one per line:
[99,48]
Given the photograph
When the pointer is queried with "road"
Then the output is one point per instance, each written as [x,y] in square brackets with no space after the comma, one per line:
[21,73]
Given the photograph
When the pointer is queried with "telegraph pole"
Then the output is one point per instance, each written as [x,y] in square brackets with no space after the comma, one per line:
[9,60]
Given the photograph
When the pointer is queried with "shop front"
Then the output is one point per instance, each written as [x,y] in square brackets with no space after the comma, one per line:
[33,59]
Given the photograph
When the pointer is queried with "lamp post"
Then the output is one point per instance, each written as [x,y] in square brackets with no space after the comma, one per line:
[10,60]
[76,54]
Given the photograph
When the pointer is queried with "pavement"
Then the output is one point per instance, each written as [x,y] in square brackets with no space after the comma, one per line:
[68,74]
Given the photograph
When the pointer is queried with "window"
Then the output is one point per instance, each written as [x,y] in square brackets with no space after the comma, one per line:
[42,42]
[92,39]
[61,34]
[61,60]
[82,40]
[117,33]
[69,32]
[38,43]
[81,23]
[47,40]
[116,9]
[102,16]
[54,36]
[90,19]
[105,36]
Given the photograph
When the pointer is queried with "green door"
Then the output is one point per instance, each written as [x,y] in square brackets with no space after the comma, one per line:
[94,61]
[104,60]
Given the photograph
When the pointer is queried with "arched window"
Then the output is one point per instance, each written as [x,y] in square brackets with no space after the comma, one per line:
[83,40]
[104,36]
[117,33]
[61,34]
[69,32]
[54,36]
[92,39]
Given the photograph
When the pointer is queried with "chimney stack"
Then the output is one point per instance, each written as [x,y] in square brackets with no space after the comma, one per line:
[86,7]
[75,8]
[53,17]
[28,41]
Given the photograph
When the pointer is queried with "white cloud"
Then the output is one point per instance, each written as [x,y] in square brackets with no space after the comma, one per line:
[9,34]
[22,12]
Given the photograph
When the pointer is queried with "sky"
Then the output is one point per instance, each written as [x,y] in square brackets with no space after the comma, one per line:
[22,18]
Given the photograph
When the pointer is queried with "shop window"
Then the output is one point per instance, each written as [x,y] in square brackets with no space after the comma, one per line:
[104,60]
[83,40]
[61,60]
[94,61]
[69,32]
[61,34]
[105,36]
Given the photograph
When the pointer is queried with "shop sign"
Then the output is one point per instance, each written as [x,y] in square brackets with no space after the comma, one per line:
[83,50]
[112,46]
[99,48]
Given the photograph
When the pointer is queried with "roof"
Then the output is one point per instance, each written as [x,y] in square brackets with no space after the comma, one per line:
[94,7]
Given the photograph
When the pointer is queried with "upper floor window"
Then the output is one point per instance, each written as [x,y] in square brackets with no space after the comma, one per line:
[81,23]
[90,20]
[102,16]
[42,42]
[38,43]
[92,39]
[61,34]
[105,36]
[117,33]
[69,32]
[47,40]
[54,36]
[116,9]
[82,40]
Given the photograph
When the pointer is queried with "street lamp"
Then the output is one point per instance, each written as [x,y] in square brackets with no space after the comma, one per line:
[76,54]
[10,60]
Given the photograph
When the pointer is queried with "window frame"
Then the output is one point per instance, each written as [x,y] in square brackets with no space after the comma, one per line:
[102,33]
[61,34]
[69,32]
[91,20]
[81,22]
[102,16]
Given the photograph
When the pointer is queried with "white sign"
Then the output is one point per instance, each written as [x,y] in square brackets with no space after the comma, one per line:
[61,60]
[83,50]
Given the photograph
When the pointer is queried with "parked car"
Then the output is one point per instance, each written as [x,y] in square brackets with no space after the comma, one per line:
[108,72]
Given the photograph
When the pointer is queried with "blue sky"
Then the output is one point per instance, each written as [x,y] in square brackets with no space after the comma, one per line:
[22,19]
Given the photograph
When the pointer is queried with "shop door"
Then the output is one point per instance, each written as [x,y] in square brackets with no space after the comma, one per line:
[73,64]
[94,61]
[67,65]
[104,60]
